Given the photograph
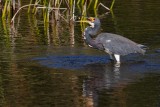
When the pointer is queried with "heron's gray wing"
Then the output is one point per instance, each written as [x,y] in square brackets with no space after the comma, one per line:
[117,44]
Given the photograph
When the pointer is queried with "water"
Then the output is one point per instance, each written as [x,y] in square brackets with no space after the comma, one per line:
[40,69]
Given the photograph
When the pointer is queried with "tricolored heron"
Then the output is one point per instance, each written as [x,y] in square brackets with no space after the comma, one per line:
[113,44]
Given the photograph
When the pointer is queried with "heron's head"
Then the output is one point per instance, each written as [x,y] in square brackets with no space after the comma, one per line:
[94,25]
[94,22]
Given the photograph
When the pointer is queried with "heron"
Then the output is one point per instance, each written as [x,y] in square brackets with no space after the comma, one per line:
[113,44]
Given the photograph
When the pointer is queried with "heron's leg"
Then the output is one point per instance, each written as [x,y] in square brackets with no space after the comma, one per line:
[117,57]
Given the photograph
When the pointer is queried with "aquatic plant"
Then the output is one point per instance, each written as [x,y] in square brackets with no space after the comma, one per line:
[56,12]
[68,6]
[9,7]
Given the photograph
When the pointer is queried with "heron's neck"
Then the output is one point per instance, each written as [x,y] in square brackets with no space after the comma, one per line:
[88,34]
[88,38]
[91,32]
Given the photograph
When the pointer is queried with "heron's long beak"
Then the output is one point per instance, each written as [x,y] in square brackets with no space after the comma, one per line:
[83,21]
[86,21]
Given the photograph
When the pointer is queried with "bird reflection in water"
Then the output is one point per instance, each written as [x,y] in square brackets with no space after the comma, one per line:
[103,77]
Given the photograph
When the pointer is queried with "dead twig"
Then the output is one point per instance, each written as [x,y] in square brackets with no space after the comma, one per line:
[101,4]
[12,20]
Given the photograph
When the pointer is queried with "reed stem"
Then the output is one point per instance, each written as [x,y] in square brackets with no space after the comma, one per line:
[112,4]
[5,9]
[95,4]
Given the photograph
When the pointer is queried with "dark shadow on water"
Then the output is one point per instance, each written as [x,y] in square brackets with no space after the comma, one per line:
[71,62]
[130,63]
